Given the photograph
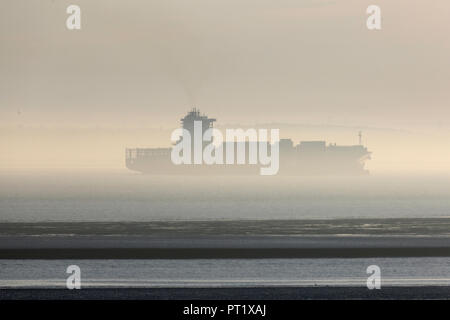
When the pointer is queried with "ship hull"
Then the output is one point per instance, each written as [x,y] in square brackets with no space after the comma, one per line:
[306,165]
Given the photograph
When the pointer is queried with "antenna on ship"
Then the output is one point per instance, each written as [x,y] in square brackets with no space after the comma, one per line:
[360,137]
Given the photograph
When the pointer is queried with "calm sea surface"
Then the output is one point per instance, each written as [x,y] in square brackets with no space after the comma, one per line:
[124,196]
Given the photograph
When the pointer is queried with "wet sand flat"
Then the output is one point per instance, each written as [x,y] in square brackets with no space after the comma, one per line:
[358,238]
[375,227]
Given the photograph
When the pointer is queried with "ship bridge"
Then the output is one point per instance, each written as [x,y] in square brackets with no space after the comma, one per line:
[194,115]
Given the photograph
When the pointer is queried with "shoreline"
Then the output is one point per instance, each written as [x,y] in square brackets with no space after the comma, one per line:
[242,293]
[221,253]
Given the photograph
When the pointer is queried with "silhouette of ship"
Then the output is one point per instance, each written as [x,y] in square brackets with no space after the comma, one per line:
[305,158]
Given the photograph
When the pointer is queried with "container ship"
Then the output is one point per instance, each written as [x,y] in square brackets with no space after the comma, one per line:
[304,158]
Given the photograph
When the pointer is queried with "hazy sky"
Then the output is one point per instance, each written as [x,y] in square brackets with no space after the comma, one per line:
[145,62]
[141,64]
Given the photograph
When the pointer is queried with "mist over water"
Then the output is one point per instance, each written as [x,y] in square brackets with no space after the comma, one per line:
[125,196]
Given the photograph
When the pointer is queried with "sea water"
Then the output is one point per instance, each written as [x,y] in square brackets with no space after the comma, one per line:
[125,196]
[224,272]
